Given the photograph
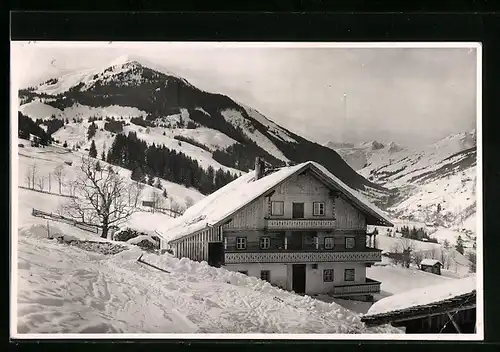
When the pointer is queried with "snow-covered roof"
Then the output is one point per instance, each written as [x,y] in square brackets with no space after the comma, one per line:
[218,206]
[422,298]
[430,262]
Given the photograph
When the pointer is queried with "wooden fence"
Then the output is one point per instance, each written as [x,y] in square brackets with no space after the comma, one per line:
[46,192]
[56,217]
[170,212]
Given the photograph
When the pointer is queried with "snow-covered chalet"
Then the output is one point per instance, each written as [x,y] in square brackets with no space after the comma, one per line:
[298,227]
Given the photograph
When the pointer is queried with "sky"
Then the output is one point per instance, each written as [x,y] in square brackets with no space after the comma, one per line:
[412,96]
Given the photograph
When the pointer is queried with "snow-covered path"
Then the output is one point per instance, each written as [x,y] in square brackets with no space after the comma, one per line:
[64,289]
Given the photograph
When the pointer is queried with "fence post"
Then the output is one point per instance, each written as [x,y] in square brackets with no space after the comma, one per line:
[48,230]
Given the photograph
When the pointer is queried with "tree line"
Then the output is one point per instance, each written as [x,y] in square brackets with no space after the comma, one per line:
[147,162]
[416,234]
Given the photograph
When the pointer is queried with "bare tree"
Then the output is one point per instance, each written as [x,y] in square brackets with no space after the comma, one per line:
[189,202]
[59,174]
[102,196]
[157,200]
[28,178]
[417,257]
[33,172]
[435,253]
[406,246]
[471,255]
[41,181]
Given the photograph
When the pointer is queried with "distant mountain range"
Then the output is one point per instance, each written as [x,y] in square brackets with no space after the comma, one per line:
[440,176]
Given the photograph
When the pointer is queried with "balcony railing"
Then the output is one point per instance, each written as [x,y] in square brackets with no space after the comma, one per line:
[368,287]
[299,224]
[368,255]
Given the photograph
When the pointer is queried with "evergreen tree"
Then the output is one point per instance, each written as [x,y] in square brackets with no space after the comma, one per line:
[158,183]
[446,244]
[165,193]
[460,245]
[98,166]
[103,156]
[92,150]
[91,130]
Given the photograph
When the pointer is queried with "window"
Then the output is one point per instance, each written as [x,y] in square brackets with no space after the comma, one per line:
[265,243]
[241,242]
[328,275]
[350,242]
[318,209]
[277,208]
[349,275]
[329,243]
[244,272]
[265,275]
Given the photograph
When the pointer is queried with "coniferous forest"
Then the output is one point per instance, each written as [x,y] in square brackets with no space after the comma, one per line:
[147,162]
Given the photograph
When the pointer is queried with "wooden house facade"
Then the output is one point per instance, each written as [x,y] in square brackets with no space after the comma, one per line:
[302,231]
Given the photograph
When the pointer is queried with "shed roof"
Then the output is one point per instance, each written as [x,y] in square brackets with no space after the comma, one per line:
[430,262]
[450,295]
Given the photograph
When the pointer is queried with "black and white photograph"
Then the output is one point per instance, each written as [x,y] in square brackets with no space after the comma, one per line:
[230,190]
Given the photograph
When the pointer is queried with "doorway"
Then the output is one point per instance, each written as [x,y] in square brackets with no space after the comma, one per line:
[297,210]
[215,254]
[299,278]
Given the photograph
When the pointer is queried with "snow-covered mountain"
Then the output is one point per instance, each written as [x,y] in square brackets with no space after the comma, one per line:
[435,184]
[163,108]
[358,156]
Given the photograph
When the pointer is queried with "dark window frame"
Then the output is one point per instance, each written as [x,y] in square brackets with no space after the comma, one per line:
[282,208]
[333,242]
[327,273]
[353,274]
[268,243]
[354,242]
[324,209]
[268,272]
[245,243]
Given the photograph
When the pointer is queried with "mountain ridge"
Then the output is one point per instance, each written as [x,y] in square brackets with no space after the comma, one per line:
[167,98]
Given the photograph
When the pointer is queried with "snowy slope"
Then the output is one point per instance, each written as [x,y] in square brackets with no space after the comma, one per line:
[64,289]
[39,110]
[48,158]
[443,174]
[454,262]
[131,86]
[235,118]
[397,280]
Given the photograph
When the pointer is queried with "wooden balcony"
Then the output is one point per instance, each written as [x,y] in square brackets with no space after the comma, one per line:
[369,255]
[300,224]
[368,287]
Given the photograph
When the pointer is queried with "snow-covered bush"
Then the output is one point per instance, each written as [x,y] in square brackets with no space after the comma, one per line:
[126,234]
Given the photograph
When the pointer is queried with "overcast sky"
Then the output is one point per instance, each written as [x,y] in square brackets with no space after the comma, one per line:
[412,96]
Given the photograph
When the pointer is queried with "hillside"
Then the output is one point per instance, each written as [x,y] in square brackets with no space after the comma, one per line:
[435,184]
[219,131]
[75,287]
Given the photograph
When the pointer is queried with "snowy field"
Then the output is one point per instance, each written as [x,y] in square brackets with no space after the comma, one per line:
[48,158]
[398,279]
[63,288]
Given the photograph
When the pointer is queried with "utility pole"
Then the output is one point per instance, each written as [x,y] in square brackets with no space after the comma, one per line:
[344,127]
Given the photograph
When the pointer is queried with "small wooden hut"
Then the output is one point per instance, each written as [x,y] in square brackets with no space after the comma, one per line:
[431,266]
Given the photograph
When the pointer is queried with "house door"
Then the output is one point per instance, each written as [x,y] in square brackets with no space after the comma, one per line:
[297,210]
[299,278]
[215,254]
